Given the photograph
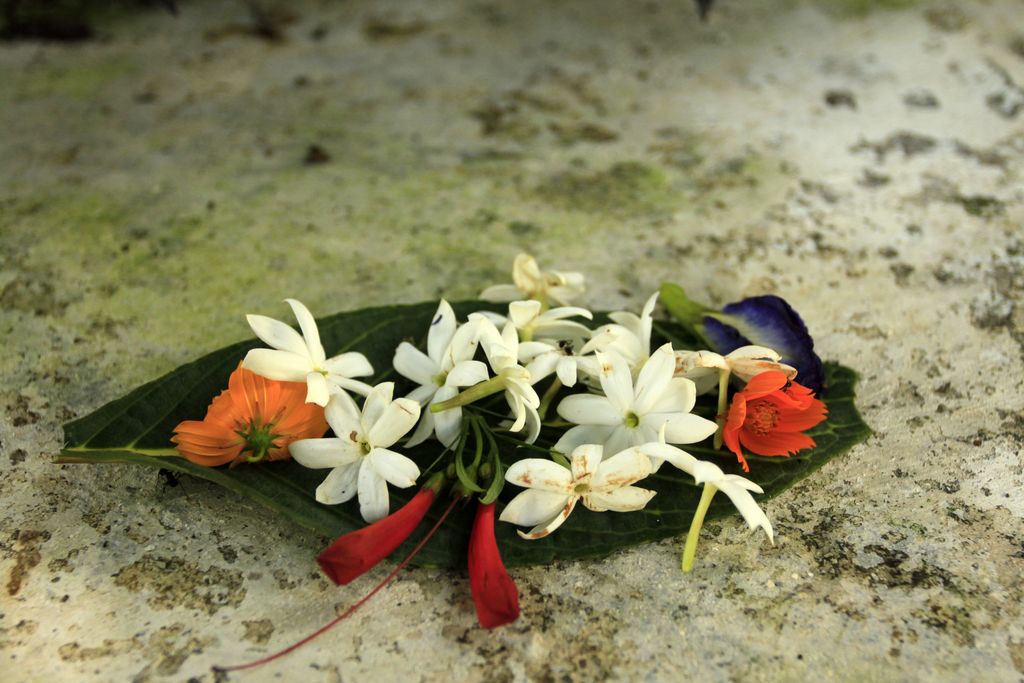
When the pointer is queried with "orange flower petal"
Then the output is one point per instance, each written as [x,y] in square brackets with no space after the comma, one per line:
[250,402]
[776,443]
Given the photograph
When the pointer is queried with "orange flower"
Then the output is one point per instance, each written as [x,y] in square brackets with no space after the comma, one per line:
[254,419]
[769,415]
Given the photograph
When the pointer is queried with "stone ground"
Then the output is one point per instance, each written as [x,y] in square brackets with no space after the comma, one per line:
[862,159]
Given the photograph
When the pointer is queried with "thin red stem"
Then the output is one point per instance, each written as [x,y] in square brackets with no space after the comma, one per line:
[387,579]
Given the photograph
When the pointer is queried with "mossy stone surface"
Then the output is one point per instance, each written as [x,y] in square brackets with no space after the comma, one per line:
[173,173]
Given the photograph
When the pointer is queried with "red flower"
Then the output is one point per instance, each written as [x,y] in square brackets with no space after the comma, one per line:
[494,592]
[357,552]
[768,416]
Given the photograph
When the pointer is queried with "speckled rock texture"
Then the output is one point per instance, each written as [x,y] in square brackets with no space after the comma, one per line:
[862,159]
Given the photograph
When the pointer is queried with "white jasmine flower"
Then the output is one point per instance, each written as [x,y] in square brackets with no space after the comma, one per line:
[714,479]
[746,362]
[447,365]
[553,491]
[502,351]
[630,415]
[532,322]
[301,358]
[533,283]
[629,336]
[559,357]
[358,454]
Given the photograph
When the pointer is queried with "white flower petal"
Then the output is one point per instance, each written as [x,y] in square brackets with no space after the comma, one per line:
[515,403]
[354,385]
[616,381]
[501,293]
[394,423]
[743,483]
[518,381]
[442,328]
[523,313]
[422,394]
[350,364]
[447,423]
[646,321]
[753,352]
[681,427]
[704,379]
[526,274]
[322,453]
[532,430]
[396,469]
[424,428]
[628,320]
[412,363]
[373,493]
[566,371]
[463,345]
[751,511]
[278,335]
[622,437]
[568,312]
[561,329]
[317,390]
[374,406]
[585,460]
[542,365]
[577,436]
[342,414]
[545,528]
[467,373]
[626,499]
[531,507]
[621,469]
[538,473]
[589,409]
[339,486]
[531,349]
[678,397]
[664,452]
[283,366]
[704,472]
[654,378]
[310,333]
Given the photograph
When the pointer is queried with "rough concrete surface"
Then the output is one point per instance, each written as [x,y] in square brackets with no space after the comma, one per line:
[862,159]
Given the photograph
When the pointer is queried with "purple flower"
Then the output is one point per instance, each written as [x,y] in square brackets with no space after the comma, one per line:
[768,321]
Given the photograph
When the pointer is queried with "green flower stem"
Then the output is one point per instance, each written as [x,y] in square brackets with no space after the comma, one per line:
[723,405]
[548,396]
[690,549]
[474,393]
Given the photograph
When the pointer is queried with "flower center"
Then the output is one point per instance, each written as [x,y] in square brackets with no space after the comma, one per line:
[631,420]
[439,378]
[259,439]
[762,416]
[363,444]
[581,488]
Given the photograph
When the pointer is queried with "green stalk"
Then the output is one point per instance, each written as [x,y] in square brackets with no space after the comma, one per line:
[548,396]
[723,405]
[474,393]
[690,549]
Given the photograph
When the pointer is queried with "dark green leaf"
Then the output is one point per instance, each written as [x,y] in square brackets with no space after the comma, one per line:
[137,428]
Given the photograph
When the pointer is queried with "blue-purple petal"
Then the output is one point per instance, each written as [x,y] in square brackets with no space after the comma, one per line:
[768,321]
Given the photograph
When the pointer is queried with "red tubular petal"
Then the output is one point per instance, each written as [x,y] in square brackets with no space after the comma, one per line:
[357,552]
[494,593]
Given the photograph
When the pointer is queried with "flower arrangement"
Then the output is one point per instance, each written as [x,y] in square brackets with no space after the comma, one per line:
[518,411]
